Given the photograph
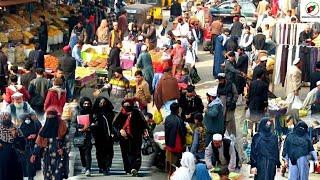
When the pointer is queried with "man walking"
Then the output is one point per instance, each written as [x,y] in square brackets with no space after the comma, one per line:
[213,117]
[68,66]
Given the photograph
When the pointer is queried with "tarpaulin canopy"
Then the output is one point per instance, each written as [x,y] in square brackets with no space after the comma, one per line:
[14,2]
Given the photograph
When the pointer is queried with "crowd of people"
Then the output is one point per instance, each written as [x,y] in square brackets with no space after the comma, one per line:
[199,137]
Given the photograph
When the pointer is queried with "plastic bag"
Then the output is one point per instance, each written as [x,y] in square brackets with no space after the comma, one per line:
[157,117]
[297,103]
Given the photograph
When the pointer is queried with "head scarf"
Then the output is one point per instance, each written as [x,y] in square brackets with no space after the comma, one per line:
[267,144]
[51,127]
[107,108]
[201,172]
[5,134]
[185,172]
[298,144]
[84,110]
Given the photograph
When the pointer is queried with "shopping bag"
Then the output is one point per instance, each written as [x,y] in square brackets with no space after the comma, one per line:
[146,148]
[157,117]
[297,103]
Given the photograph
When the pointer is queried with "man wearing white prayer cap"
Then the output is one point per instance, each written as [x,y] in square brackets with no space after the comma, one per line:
[221,152]
[312,101]
[294,77]
[213,117]
[18,107]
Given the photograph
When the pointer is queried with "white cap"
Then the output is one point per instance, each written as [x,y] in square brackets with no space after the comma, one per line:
[221,75]
[318,83]
[263,58]
[16,95]
[144,47]
[140,38]
[213,91]
[296,61]
[217,137]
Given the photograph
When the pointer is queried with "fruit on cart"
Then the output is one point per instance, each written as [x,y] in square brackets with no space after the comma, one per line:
[50,62]
[19,54]
[20,20]
[15,36]
[82,72]
[98,63]
[3,38]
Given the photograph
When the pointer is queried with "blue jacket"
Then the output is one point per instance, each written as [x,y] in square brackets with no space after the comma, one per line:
[213,118]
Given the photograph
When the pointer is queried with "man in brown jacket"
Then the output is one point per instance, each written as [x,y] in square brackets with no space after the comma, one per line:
[167,92]
[216,29]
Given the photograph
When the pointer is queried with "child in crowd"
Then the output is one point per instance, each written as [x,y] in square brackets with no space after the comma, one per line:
[198,143]
[183,78]
[157,76]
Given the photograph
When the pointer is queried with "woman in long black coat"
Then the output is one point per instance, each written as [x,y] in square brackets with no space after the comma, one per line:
[103,133]
[85,108]
[264,152]
[10,166]
[30,128]
[130,125]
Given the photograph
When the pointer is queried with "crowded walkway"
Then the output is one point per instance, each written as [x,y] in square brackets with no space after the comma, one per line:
[90,92]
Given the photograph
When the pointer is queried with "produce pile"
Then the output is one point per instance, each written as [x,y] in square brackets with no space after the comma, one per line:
[277,104]
[20,56]
[3,38]
[15,36]
[82,72]
[98,63]
[50,62]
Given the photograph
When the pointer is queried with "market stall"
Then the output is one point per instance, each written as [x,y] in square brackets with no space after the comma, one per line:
[19,30]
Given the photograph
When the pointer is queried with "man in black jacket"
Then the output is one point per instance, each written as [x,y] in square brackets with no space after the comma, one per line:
[175,9]
[190,104]
[259,40]
[261,68]
[68,65]
[228,94]
[241,65]
[4,72]
[43,34]
[175,131]
[36,57]
[236,28]
[114,60]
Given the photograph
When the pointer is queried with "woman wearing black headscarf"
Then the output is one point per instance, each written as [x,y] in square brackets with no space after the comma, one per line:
[10,167]
[30,128]
[264,152]
[297,147]
[103,133]
[85,108]
[130,125]
[51,139]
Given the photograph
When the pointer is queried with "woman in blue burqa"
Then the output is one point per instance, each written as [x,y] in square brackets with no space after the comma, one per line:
[218,58]
[297,148]
[264,156]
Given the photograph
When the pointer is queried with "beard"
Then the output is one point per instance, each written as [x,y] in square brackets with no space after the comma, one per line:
[18,105]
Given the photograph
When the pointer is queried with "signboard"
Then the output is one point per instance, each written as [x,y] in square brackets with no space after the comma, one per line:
[310,11]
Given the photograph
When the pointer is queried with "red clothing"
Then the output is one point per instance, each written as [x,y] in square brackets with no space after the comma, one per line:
[123,23]
[10,90]
[177,55]
[52,99]
[178,146]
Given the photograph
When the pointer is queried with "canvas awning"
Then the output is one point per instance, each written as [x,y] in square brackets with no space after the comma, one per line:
[14,2]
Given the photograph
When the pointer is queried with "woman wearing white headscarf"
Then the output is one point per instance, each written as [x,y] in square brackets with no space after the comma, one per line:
[186,170]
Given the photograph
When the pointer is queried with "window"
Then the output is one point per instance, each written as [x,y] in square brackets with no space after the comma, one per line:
[152,1]
[226,6]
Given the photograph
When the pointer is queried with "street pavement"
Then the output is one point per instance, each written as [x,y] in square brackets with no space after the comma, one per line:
[204,67]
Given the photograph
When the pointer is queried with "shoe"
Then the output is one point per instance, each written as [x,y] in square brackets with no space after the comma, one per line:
[83,170]
[106,172]
[87,173]
[134,172]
